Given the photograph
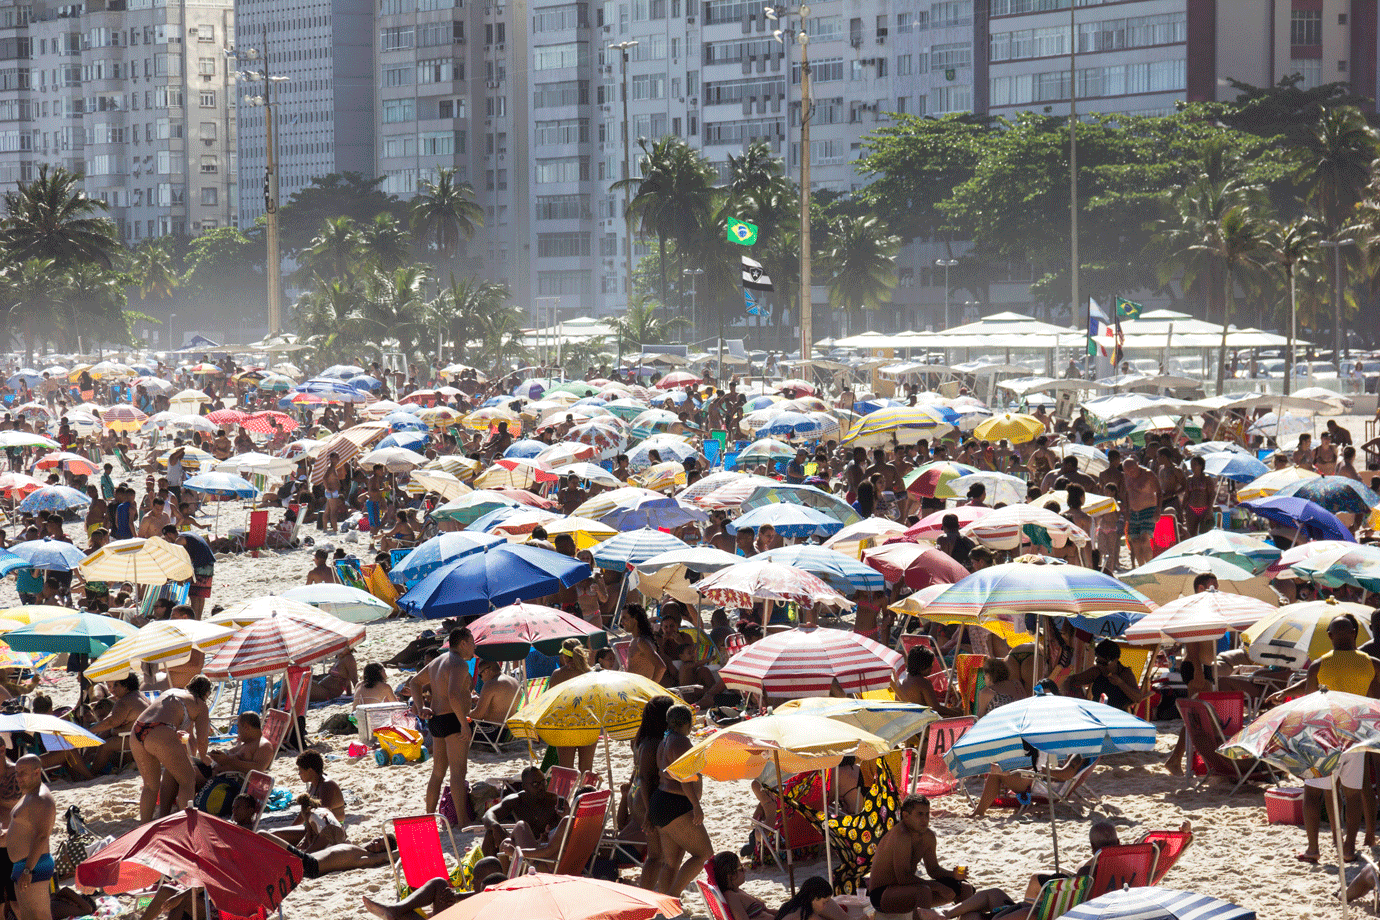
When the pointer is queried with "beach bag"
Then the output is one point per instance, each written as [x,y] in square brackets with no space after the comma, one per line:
[218,796]
[75,847]
[400,741]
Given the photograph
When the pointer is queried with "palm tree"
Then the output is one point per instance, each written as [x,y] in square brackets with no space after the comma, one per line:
[31,292]
[860,263]
[673,199]
[151,271]
[1240,245]
[1292,247]
[1335,165]
[385,243]
[395,307]
[463,306]
[52,218]
[640,325]
[94,301]
[330,317]
[445,214]
[333,254]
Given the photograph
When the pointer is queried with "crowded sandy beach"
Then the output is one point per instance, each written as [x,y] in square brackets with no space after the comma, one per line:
[1098,574]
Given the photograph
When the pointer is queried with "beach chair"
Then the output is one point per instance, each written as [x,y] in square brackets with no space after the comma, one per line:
[562,781]
[1058,896]
[256,537]
[258,784]
[1171,846]
[1230,708]
[592,779]
[935,778]
[1203,734]
[1128,865]
[714,899]
[734,643]
[276,723]
[419,854]
[967,668]
[581,837]
[854,837]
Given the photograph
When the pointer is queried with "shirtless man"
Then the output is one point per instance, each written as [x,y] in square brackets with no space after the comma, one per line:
[95,512]
[1173,482]
[1142,503]
[1041,459]
[252,752]
[1199,493]
[321,573]
[128,707]
[335,503]
[155,519]
[567,598]
[495,700]
[447,717]
[531,806]
[26,840]
[893,887]
[374,508]
[856,471]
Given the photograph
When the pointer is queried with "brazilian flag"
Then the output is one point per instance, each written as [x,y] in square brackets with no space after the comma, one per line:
[1128,309]
[741,232]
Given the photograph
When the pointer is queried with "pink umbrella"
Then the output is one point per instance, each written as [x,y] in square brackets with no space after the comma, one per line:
[676,380]
[743,584]
[509,633]
[1282,567]
[919,565]
[931,526]
[797,387]
[1199,618]
[17,485]
[73,463]
[264,422]
[805,662]
[227,417]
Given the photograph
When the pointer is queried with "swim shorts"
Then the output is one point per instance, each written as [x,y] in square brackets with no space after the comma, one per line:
[42,872]
[1142,523]
[444,725]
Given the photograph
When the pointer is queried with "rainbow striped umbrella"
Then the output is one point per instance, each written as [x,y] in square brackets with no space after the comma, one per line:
[1005,527]
[806,661]
[1014,589]
[926,479]
[896,425]
[279,641]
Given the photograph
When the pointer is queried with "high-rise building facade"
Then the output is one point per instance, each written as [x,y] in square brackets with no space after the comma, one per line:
[133,94]
[324,108]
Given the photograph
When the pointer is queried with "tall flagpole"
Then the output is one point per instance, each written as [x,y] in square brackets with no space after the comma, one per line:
[1073,154]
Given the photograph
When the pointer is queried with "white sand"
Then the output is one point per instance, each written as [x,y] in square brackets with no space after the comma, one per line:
[1236,854]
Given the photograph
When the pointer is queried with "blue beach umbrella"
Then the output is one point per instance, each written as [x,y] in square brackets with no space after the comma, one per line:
[1234,466]
[1312,520]
[634,547]
[50,554]
[525,448]
[474,585]
[411,440]
[1155,903]
[54,498]
[842,573]
[440,549]
[789,520]
[221,485]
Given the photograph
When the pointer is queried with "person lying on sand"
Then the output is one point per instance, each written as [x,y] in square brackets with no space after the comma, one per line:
[339,858]
[438,894]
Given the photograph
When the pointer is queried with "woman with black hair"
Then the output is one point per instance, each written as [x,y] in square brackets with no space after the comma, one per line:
[673,809]
[643,657]
[646,778]
[814,898]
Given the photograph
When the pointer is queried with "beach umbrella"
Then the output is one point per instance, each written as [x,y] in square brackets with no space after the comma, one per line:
[585,532]
[189,397]
[279,641]
[243,874]
[926,478]
[1094,505]
[255,462]
[792,741]
[1001,487]
[841,573]
[665,475]
[1337,494]
[1308,735]
[400,420]
[896,425]
[221,485]
[630,508]
[111,370]
[226,416]
[1202,617]
[861,534]
[743,584]
[510,633]
[31,613]
[797,426]
[1234,466]
[667,446]
[577,712]
[138,561]
[1013,590]
[462,468]
[677,379]
[485,419]
[123,417]
[563,897]
[604,437]
[918,565]
[1010,426]
[790,521]
[341,601]
[15,486]
[664,573]
[440,549]
[26,376]
[1297,633]
[476,584]
[1155,903]
[343,371]
[162,642]
[779,493]
[1056,726]
[80,633]
[393,459]
[56,734]
[10,439]
[931,526]
[1007,528]
[1352,564]
[515,473]
[531,389]
[444,484]
[1328,552]
[808,660]
[568,453]
[510,523]
[767,451]
[892,721]
[918,604]
[268,421]
[471,506]
[730,489]
[1249,552]
[52,555]
[1090,460]
[633,547]
[1311,519]
[53,498]
[1272,482]
[525,448]
[1281,427]
[1164,578]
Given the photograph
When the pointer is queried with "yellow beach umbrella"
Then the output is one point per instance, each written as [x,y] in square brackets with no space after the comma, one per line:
[793,743]
[1272,482]
[587,533]
[892,721]
[164,642]
[915,604]
[34,613]
[138,561]
[579,711]
[447,485]
[1010,426]
[1298,632]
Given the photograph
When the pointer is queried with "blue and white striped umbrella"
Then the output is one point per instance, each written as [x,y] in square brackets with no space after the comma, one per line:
[1155,903]
[1055,725]
[1234,466]
[792,426]
[634,547]
[221,485]
[402,420]
[440,549]
[842,573]
[326,387]
[54,498]
[789,520]
[365,382]
[50,554]
[9,562]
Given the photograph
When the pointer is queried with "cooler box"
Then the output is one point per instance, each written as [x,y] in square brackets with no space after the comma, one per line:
[372,716]
[1284,805]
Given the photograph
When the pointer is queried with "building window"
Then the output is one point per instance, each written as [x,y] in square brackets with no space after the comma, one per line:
[208,99]
[206,66]
[396,110]
[209,196]
[1311,71]
[1305,27]
[208,164]
[206,34]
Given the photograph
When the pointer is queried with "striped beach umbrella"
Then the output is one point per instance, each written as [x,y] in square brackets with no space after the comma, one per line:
[1297,633]
[925,479]
[510,633]
[634,547]
[15,486]
[1250,553]
[630,508]
[896,425]
[1198,618]
[279,641]
[1013,589]
[659,477]
[138,561]
[1165,578]
[790,520]
[123,417]
[841,573]
[1006,528]
[1155,903]
[806,661]
[161,642]
[440,549]
[744,584]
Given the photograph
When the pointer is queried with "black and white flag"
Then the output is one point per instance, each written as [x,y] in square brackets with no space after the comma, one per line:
[754,277]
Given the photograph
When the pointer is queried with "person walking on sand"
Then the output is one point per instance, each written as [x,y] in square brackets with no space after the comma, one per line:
[673,810]
[157,744]
[26,840]
[447,717]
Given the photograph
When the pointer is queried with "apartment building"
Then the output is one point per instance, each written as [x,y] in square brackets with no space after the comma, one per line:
[133,94]
[323,109]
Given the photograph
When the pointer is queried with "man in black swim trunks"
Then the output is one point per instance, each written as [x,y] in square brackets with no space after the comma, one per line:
[532,806]
[893,887]
[447,717]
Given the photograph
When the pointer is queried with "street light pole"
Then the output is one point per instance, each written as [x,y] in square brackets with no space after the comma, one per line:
[946,264]
[273,256]
[692,274]
[1336,247]
[627,190]
[807,306]
[1074,300]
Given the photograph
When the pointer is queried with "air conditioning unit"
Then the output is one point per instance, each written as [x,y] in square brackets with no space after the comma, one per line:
[694,102]
[689,20]
[500,47]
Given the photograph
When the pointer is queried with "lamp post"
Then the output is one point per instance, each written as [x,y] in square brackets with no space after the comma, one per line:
[1336,247]
[273,260]
[692,274]
[1074,296]
[802,36]
[627,189]
[946,264]
[172,342]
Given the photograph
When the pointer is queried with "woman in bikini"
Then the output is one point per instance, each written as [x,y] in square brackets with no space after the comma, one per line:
[374,688]
[339,681]
[673,811]
[728,877]
[642,653]
[157,744]
[1001,687]
[1199,492]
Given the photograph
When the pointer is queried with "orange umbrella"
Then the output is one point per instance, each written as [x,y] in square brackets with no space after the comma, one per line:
[563,897]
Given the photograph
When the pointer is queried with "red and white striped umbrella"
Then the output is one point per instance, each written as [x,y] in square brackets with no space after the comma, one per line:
[346,446]
[1198,618]
[742,585]
[265,422]
[282,640]
[805,662]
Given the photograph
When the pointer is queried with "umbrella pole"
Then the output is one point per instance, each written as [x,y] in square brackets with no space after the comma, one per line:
[1053,828]
[1336,820]
[785,824]
[608,757]
[292,709]
[828,839]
